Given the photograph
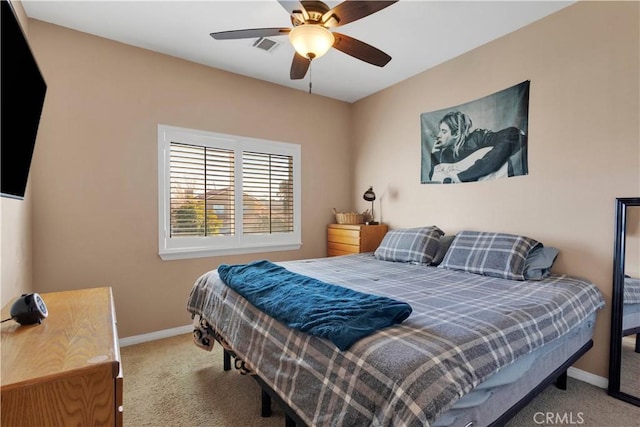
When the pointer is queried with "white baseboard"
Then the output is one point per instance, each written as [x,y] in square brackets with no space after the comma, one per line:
[588,378]
[138,339]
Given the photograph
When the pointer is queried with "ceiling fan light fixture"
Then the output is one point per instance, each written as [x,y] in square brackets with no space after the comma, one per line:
[311,40]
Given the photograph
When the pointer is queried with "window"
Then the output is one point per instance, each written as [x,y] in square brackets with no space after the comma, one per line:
[224,194]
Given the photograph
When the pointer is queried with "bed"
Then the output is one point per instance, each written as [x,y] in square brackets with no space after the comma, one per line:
[475,349]
[631,309]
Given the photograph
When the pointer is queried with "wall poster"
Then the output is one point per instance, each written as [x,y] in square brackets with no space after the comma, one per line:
[476,141]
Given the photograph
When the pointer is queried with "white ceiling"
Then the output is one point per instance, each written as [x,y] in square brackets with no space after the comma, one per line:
[417,34]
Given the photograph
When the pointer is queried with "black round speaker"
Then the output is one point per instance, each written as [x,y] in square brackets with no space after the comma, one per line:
[29,309]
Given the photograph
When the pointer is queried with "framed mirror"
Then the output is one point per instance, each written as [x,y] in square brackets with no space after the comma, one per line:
[624,355]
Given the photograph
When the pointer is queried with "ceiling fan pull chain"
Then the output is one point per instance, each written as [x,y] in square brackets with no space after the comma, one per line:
[310,62]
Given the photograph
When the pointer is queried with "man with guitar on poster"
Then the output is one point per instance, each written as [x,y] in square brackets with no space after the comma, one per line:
[463,155]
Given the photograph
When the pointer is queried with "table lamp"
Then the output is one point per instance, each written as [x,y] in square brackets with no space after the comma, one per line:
[370,196]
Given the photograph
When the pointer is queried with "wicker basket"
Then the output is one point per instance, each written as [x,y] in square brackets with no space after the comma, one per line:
[349,217]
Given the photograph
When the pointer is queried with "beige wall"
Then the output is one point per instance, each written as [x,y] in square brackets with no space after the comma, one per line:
[95,180]
[15,236]
[632,243]
[584,146]
[15,230]
[94,186]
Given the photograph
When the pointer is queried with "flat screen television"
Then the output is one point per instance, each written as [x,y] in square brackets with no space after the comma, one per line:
[22,91]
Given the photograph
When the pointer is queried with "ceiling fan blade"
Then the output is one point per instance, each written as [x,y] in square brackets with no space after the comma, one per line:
[349,11]
[293,8]
[299,67]
[360,50]
[250,33]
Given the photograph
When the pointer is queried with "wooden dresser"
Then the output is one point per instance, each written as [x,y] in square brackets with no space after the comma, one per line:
[343,239]
[66,370]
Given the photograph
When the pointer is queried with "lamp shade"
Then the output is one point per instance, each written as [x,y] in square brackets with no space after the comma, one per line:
[369,195]
[311,40]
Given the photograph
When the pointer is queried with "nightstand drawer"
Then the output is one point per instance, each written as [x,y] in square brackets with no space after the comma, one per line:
[343,239]
[342,248]
[349,237]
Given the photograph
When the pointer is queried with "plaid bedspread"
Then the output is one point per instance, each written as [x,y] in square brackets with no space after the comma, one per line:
[631,290]
[464,328]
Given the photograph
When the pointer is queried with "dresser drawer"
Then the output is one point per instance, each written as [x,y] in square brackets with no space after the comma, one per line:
[67,370]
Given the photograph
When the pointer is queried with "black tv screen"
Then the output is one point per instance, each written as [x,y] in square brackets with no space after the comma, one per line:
[22,91]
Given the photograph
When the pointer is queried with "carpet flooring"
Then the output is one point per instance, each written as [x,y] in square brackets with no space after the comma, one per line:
[630,367]
[171,382]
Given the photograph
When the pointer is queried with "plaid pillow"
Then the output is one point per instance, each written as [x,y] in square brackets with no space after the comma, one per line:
[414,245]
[539,262]
[489,254]
[443,247]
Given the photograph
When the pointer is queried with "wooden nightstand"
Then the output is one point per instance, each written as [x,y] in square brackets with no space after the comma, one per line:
[66,370]
[343,239]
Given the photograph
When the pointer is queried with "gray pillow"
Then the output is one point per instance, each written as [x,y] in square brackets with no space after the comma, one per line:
[489,254]
[443,247]
[414,245]
[539,262]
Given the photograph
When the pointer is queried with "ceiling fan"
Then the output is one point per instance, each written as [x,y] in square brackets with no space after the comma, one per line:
[310,35]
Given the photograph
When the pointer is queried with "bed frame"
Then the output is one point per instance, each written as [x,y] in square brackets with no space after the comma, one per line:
[204,333]
[633,331]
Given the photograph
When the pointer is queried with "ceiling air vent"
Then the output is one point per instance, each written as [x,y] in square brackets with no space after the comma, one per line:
[266,44]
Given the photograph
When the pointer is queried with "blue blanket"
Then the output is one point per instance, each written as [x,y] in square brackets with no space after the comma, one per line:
[339,314]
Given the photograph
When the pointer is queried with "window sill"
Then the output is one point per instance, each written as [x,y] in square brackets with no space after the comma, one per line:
[174,254]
